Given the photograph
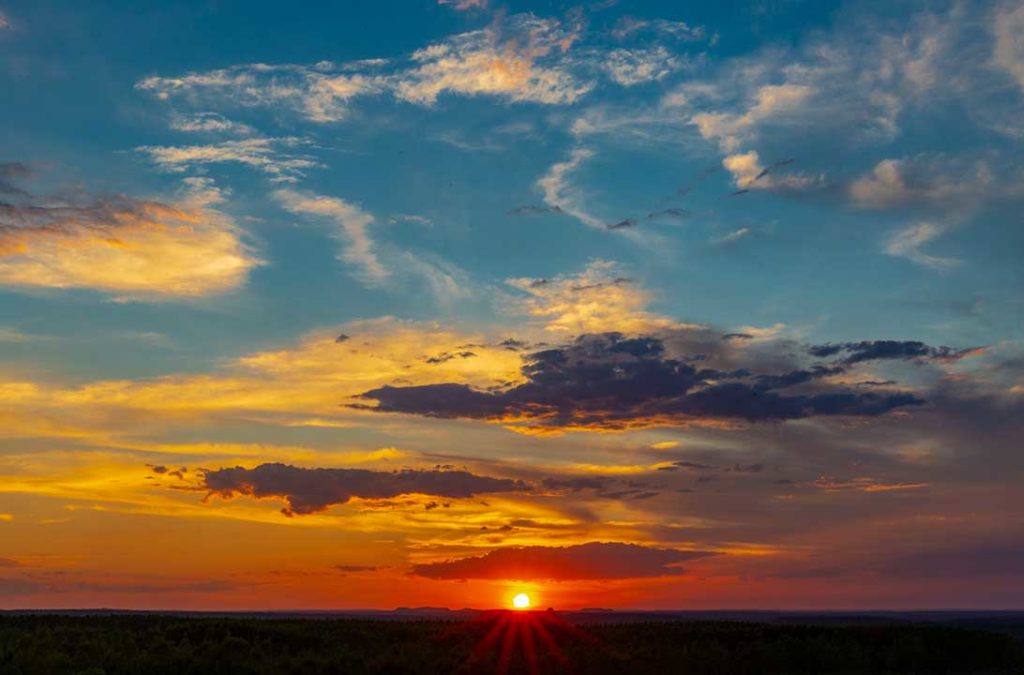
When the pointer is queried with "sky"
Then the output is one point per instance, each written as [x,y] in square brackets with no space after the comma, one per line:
[624,304]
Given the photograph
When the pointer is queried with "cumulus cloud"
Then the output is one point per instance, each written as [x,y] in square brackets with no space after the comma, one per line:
[594,560]
[926,180]
[130,248]
[907,243]
[308,491]
[354,223]
[262,154]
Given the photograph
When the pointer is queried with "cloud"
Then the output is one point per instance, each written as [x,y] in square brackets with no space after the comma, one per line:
[613,382]
[210,122]
[15,335]
[928,180]
[875,350]
[749,174]
[628,27]
[10,174]
[907,243]
[508,61]
[321,93]
[518,59]
[262,154]
[534,210]
[464,5]
[732,237]
[354,223]
[296,385]
[594,300]
[559,194]
[770,102]
[348,569]
[308,491]
[130,248]
[1008,51]
[4,21]
[630,67]
[594,560]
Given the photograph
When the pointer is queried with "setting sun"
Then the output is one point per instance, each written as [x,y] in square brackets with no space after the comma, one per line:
[521,601]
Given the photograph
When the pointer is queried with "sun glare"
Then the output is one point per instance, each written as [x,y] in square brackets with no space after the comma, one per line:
[521,601]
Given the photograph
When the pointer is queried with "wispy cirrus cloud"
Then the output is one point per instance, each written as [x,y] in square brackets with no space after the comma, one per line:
[263,154]
[908,242]
[354,223]
[517,59]
[628,27]
[210,122]
[1008,51]
[464,5]
[561,195]
[321,93]
[630,67]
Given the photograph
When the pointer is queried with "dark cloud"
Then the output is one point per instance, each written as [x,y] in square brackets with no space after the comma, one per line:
[692,465]
[610,381]
[796,377]
[10,174]
[622,224]
[595,560]
[577,483]
[532,210]
[876,350]
[310,490]
[446,356]
[669,214]
[356,568]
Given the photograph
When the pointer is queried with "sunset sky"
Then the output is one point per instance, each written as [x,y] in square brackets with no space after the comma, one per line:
[620,304]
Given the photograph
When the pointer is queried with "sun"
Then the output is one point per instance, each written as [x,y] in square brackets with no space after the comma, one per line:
[521,601]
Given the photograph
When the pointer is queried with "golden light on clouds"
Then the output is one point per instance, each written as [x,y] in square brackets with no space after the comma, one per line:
[130,249]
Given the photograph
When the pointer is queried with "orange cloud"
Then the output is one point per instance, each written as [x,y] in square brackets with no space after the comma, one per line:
[481,63]
[133,249]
